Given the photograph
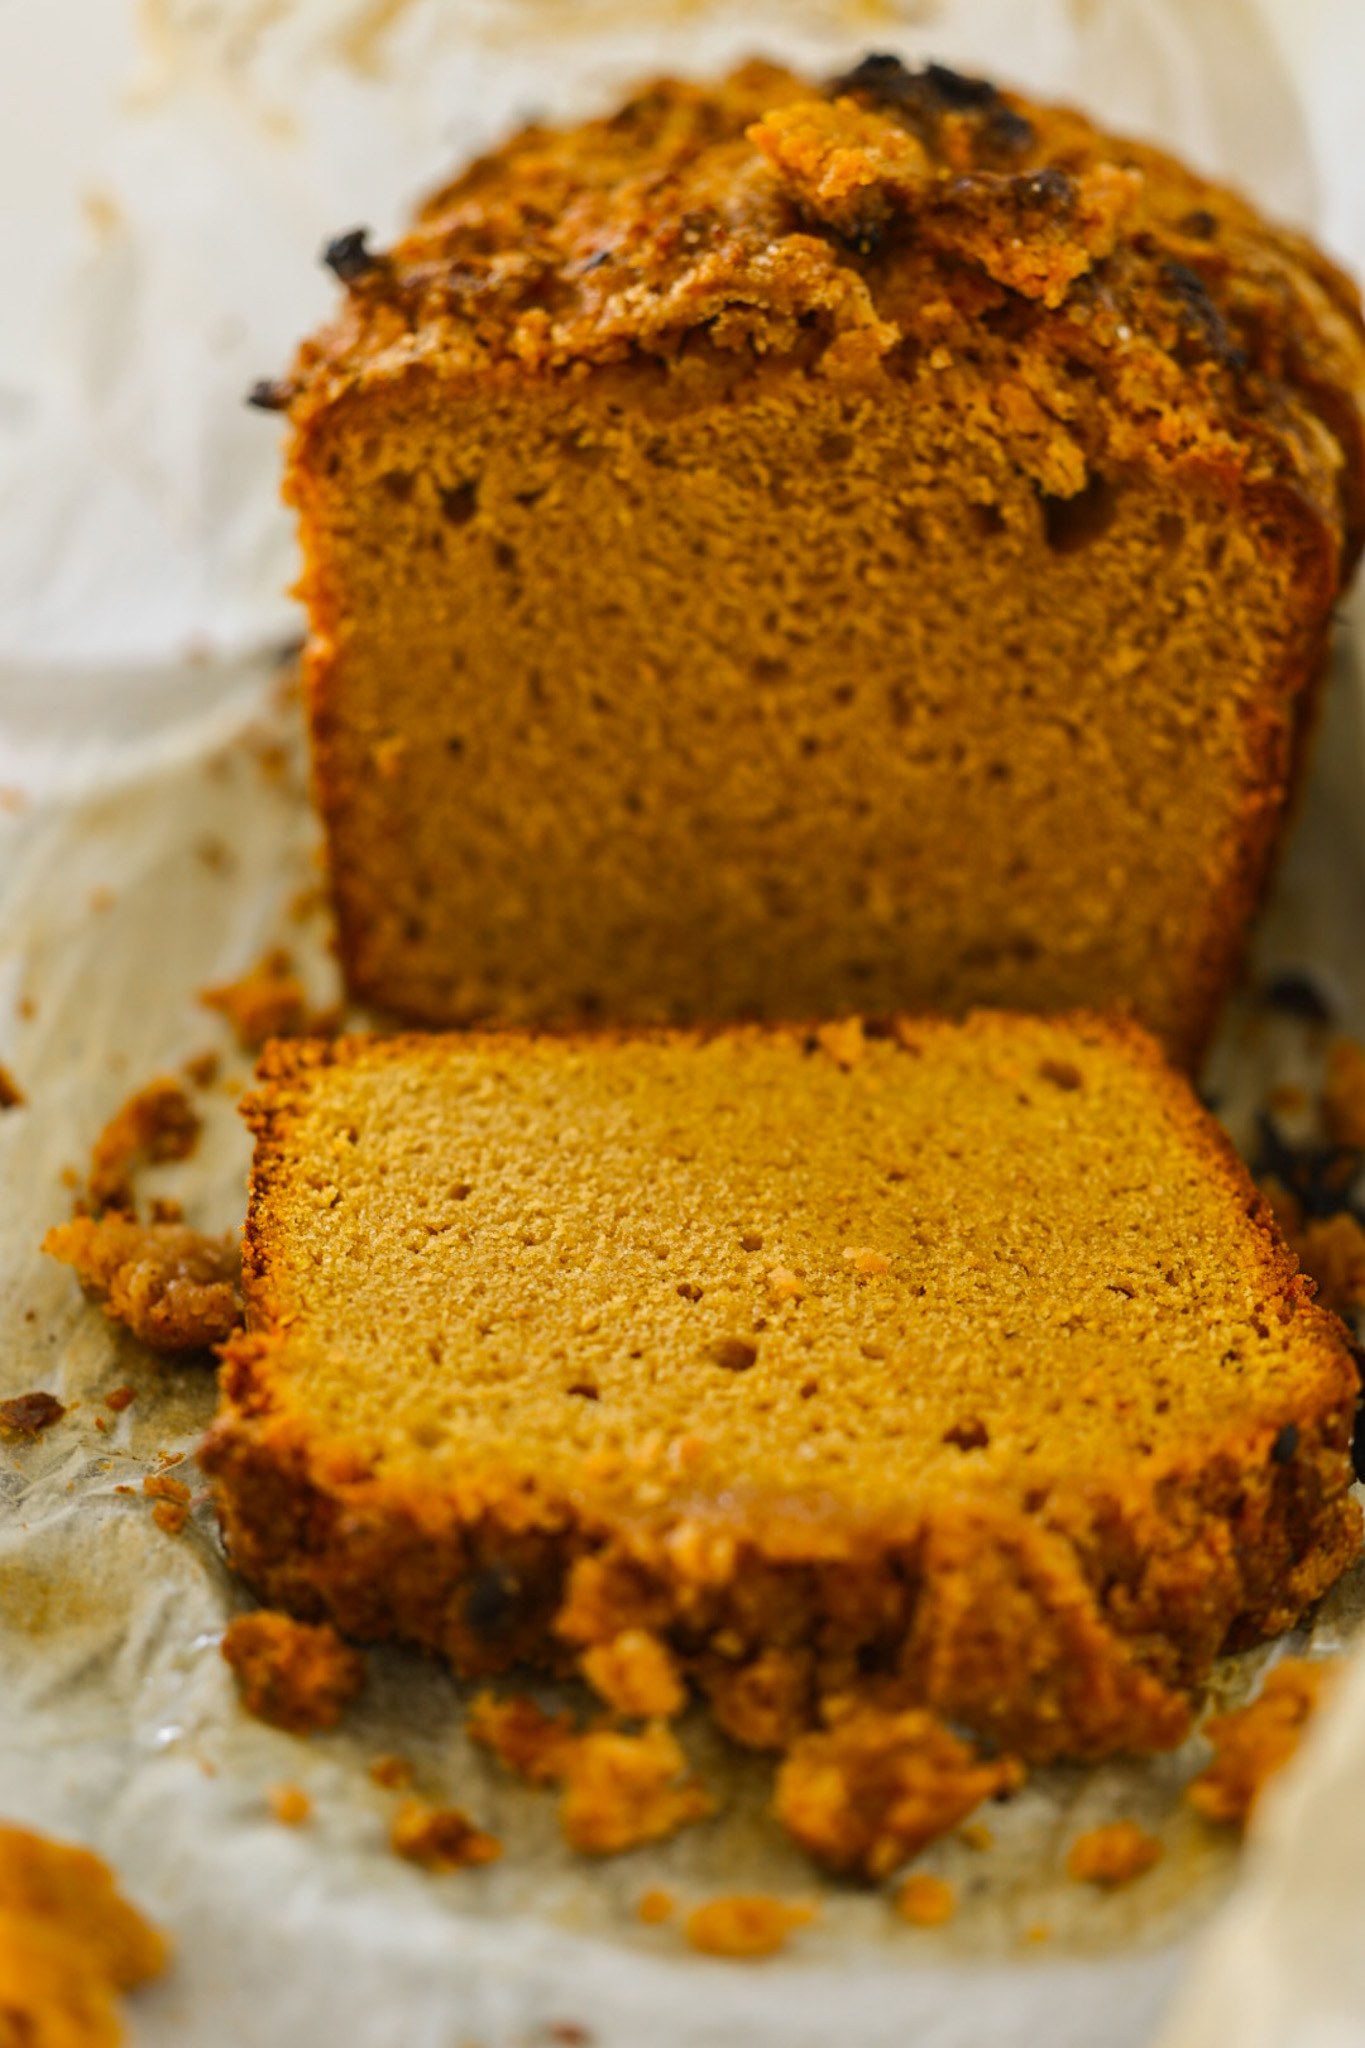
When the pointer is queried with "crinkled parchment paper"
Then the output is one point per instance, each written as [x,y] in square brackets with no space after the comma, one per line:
[155,837]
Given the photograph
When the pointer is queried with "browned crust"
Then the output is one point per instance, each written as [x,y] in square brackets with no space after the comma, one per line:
[1078,1624]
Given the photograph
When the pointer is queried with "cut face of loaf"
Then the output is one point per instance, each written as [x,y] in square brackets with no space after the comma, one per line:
[961,1366]
[734,598]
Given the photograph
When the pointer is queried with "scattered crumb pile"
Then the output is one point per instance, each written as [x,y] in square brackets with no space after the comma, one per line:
[619,1790]
[68,1943]
[745,1927]
[1253,1742]
[269,1001]
[1315,1189]
[296,1677]
[874,1789]
[1113,1855]
[174,1288]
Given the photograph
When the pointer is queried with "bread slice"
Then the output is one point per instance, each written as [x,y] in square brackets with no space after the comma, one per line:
[960,1366]
[787,549]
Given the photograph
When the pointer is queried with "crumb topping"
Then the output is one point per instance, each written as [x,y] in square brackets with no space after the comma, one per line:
[295,1676]
[173,1288]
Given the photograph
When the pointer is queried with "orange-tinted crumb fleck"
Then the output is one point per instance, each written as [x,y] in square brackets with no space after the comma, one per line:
[765,1703]
[68,1942]
[1040,1931]
[290,1805]
[172,1287]
[101,1423]
[635,1673]
[69,1177]
[926,1901]
[440,1837]
[745,1926]
[120,1398]
[877,1787]
[976,1835]
[101,899]
[534,1744]
[11,1094]
[26,1008]
[655,1906]
[622,1790]
[292,1675]
[170,1515]
[268,1002]
[1332,1252]
[203,1070]
[1343,1099]
[1253,1742]
[156,1124]
[165,1209]
[1113,1855]
[27,1414]
[394,1773]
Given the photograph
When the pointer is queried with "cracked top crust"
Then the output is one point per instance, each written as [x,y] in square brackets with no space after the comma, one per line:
[881,225]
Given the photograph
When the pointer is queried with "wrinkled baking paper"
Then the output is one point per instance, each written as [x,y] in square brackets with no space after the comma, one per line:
[155,837]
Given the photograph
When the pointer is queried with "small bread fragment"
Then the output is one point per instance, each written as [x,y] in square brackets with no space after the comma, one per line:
[621,1791]
[440,1838]
[68,1942]
[1112,1855]
[1253,1742]
[173,1288]
[156,1124]
[746,1927]
[877,1787]
[296,1677]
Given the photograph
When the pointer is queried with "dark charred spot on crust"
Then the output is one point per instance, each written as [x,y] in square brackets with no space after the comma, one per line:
[348,256]
[1203,322]
[1321,1178]
[270,394]
[1005,134]
[956,90]
[1296,994]
[491,1600]
[1285,1444]
[1200,226]
[27,1414]
[1049,190]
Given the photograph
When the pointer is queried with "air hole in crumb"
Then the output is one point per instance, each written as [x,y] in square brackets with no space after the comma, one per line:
[810,745]
[809,1389]
[1170,530]
[986,520]
[770,669]
[504,555]
[460,503]
[1070,524]
[834,448]
[690,1291]
[1062,1075]
[971,1435]
[584,1390]
[459,1189]
[455,745]
[735,1354]
[398,484]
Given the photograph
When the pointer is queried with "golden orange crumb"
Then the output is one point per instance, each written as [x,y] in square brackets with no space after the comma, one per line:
[864,1259]
[158,1487]
[69,1177]
[534,1744]
[295,1676]
[170,1515]
[635,1673]
[154,1125]
[1112,1855]
[785,1284]
[26,1008]
[269,1001]
[745,1927]
[1253,1742]
[875,1788]
[1343,1099]
[120,1398]
[440,1837]
[1038,1932]
[654,1907]
[101,1423]
[976,1835]
[68,1942]
[172,1287]
[11,1095]
[290,1805]
[102,899]
[394,1773]
[622,1790]
[926,1901]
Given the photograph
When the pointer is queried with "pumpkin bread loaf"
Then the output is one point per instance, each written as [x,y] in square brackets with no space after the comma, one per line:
[960,1365]
[793,549]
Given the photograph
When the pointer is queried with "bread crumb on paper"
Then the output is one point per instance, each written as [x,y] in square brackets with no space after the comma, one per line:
[293,1675]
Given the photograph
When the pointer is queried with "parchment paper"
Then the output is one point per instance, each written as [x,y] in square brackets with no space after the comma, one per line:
[155,837]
